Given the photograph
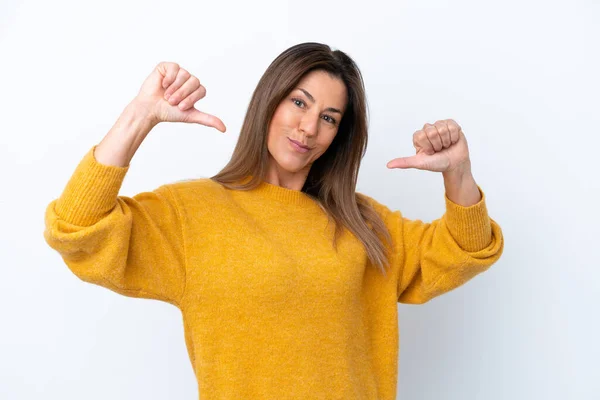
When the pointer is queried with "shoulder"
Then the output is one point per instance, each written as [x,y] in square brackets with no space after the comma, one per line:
[380,208]
[196,189]
[194,184]
[392,218]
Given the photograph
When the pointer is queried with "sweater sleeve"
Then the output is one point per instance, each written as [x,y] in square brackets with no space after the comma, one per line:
[436,257]
[133,246]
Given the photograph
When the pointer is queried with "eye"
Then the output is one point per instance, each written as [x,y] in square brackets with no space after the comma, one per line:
[331,120]
[301,104]
[296,101]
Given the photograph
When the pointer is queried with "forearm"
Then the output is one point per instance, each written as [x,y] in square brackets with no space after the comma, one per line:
[461,187]
[118,147]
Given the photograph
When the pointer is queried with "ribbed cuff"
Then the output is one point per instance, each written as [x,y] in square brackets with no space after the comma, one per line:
[470,226]
[91,191]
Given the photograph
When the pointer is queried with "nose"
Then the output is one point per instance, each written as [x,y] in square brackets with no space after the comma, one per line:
[309,124]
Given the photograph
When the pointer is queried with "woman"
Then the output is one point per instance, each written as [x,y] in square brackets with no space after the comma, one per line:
[287,279]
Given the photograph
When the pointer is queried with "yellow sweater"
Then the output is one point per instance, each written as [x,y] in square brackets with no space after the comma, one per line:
[270,310]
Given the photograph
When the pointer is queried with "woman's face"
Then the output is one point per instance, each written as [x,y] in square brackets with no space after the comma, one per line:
[310,115]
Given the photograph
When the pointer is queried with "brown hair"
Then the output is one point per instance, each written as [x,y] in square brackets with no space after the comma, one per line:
[332,177]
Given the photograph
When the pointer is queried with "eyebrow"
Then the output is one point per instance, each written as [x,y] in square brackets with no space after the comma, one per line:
[331,109]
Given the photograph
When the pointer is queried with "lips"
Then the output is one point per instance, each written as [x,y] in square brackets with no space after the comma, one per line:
[299,144]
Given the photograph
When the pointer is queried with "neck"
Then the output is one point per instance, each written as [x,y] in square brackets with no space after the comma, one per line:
[286,179]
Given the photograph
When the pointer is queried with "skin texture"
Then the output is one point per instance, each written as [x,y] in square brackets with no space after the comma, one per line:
[306,121]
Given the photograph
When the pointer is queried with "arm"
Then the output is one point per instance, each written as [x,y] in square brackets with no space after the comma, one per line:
[436,257]
[131,245]
[448,252]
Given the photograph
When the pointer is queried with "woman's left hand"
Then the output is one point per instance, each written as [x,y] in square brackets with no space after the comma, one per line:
[440,147]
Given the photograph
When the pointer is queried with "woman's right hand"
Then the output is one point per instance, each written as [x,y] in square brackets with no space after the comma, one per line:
[168,95]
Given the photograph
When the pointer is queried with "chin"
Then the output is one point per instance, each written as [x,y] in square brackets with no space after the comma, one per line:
[288,163]
[291,166]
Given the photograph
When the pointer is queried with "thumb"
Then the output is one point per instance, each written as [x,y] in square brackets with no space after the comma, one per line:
[199,117]
[415,161]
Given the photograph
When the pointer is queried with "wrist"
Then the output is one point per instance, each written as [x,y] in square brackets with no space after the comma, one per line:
[459,173]
[461,187]
[118,147]
[140,111]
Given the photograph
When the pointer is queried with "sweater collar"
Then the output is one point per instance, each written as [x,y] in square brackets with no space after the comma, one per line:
[283,195]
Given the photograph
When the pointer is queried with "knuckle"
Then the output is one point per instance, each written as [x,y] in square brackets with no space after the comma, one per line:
[170,68]
[184,73]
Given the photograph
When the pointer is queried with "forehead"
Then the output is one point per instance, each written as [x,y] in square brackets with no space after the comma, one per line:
[325,88]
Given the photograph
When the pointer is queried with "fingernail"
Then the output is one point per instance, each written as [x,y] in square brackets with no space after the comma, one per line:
[167,96]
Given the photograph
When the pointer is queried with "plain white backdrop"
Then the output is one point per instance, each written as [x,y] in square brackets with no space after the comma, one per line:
[520,77]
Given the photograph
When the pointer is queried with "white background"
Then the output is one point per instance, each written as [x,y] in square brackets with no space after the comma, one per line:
[520,77]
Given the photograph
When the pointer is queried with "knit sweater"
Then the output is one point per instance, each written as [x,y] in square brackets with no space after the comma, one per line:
[270,309]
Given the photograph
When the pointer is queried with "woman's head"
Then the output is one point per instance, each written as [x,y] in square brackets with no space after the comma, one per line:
[281,108]
[310,115]
[268,118]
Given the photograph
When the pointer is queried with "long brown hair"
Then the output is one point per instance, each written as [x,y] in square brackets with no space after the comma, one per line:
[332,178]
